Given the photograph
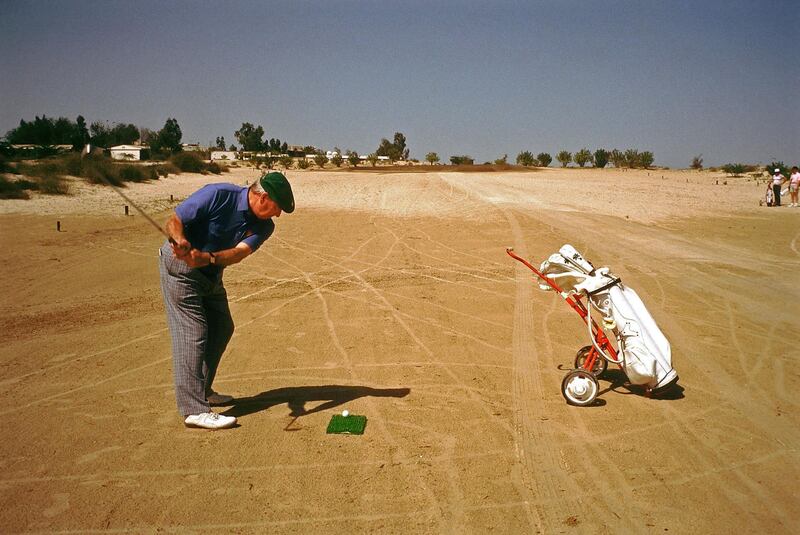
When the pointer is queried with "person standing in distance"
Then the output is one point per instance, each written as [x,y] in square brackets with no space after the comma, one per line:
[794,185]
[777,181]
[217,226]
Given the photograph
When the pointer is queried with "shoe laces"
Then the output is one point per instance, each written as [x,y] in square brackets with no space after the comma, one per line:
[213,416]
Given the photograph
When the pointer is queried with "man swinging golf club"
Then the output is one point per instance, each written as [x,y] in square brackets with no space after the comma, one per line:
[217,226]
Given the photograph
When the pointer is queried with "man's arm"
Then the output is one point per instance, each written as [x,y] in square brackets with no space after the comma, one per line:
[234,255]
[174,228]
[196,258]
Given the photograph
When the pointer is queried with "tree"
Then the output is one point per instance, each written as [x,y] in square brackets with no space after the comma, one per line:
[146,136]
[462,160]
[168,138]
[394,150]
[220,142]
[646,158]
[353,159]
[544,159]
[276,147]
[337,160]
[582,157]
[124,134]
[564,157]
[100,134]
[526,158]
[632,158]
[320,159]
[309,149]
[400,145]
[617,158]
[232,148]
[44,131]
[697,162]
[432,158]
[501,161]
[80,135]
[600,158]
[734,169]
[249,137]
[372,159]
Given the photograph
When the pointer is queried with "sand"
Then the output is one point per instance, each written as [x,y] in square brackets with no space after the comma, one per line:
[391,296]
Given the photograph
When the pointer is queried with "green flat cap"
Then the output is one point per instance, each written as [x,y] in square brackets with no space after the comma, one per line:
[279,190]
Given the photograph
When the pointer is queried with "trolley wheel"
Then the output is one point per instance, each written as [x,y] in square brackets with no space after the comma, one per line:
[600,364]
[580,388]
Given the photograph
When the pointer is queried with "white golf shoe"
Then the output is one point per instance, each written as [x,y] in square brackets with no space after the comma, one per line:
[209,420]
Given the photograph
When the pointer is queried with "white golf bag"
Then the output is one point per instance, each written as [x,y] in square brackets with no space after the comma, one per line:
[644,353]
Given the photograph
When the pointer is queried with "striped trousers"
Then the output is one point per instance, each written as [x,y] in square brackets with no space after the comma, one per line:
[200,325]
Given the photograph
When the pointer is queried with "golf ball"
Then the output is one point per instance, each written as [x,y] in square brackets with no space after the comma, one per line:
[345,413]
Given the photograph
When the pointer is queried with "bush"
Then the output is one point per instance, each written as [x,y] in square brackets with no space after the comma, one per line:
[97,169]
[131,173]
[502,161]
[53,185]
[5,167]
[600,158]
[73,164]
[188,162]
[582,157]
[462,160]
[337,160]
[697,162]
[286,162]
[13,189]
[544,159]
[320,160]
[215,168]
[737,169]
[646,158]
[564,157]
[777,165]
[617,158]
[632,158]
[526,158]
[167,168]
[303,163]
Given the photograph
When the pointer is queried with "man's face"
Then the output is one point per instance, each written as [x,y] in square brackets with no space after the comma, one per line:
[264,207]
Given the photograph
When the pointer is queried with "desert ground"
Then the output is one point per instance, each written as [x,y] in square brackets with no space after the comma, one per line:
[391,295]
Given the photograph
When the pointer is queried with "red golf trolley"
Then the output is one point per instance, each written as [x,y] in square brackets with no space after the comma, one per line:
[641,350]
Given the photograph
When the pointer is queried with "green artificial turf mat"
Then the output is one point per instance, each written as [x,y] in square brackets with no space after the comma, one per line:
[347,425]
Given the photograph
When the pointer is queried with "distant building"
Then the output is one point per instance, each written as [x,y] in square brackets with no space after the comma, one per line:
[128,152]
[295,150]
[30,147]
[228,155]
[191,147]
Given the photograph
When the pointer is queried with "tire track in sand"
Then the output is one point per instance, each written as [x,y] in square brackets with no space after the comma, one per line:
[550,497]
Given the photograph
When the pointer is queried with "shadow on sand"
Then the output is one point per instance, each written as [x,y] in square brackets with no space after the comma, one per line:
[297,397]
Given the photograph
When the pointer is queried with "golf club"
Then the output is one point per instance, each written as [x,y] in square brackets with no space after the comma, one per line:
[147,217]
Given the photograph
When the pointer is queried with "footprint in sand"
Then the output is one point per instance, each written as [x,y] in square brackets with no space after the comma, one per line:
[60,504]
[89,457]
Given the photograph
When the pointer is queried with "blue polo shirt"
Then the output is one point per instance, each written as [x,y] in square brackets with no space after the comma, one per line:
[218,216]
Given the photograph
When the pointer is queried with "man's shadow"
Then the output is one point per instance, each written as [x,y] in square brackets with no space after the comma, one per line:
[297,397]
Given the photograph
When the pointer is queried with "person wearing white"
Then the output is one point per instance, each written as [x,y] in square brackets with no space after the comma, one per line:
[794,185]
[777,181]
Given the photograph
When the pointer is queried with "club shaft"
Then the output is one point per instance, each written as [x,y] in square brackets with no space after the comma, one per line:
[144,214]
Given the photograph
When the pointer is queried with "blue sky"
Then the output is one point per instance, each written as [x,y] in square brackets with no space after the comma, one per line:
[678,78]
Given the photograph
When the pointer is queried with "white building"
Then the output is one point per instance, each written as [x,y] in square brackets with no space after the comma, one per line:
[228,155]
[127,152]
